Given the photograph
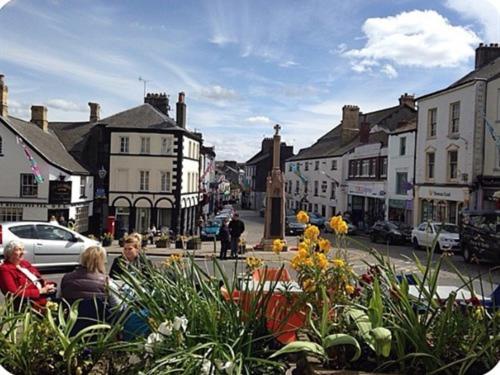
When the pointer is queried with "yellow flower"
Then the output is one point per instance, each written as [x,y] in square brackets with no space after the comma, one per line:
[303,246]
[54,306]
[303,253]
[311,232]
[296,262]
[338,263]
[308,285]
[253,263]
[307,262]
[302,217]
[174,258]
[325,245]
[479,313]
[278,246]
[349,289]
[338,225]
[321,260]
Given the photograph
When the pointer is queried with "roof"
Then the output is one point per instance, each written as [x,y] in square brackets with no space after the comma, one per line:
[408,127]
[258,157]
[144,116]
[47,144]
[72,134]
[331,143]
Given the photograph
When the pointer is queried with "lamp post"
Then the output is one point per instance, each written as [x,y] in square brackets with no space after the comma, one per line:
[101,195]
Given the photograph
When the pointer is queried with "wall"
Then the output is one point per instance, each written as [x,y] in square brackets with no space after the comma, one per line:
[491,152]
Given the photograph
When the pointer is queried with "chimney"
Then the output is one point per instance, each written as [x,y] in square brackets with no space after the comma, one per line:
[159,101]
[4,91]
[364,132]
[39,117]
[95,112]
[350,120]
[408,100]
[267,144]
[486,54]
[181,111]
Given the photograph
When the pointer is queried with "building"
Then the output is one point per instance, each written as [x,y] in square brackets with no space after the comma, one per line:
[346,169]
[455,158]
[258,168]
[227,182]
[40,178]
[207,180]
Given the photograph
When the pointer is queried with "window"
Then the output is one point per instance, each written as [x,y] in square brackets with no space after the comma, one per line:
[165,181]
[402,146]
[11,214]
[297,187]
[306,187]
[401,182]
[82,219]
[145,145]
[332,191]
[290,167]
[144,180]
[316,165]
[83,186]
[364,168]
[353,168]
[452,212]
[189,148]
[452,164]
[454,117]
[498,157]
[166,146]
[383,169]
[430,165]
[306,166]
[372,167]
[432,122]
[51,232]
[124,145]
[24,231]
[29,188]
[334,165]
[324,186]
[189,182]
[316,188]
[315,207]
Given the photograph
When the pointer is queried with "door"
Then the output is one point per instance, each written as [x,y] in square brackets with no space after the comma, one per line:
[56,245]
[27,235]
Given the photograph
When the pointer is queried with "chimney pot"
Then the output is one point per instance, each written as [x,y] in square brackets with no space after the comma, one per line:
[181,111]
[158,101]
[485,54]
[95,112]
[39,117]
[4,93]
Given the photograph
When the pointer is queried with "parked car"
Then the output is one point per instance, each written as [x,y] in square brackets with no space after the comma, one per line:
[390,232]
[448,237]
[480,235]
[293,227]
[45,244]
[210,230]
[316,219]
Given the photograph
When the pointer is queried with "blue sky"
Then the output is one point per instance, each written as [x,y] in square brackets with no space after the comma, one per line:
[244,65]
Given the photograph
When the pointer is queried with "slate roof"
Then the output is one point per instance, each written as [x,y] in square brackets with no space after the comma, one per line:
[258,157]
[331,143]
[72,134]
[144,116]
[47,145]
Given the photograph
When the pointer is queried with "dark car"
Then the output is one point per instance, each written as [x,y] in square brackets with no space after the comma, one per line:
[390,232]
[293,227]
[316,219]
[480,235]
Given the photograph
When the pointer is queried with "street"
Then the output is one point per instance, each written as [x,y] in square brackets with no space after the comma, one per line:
[401,256]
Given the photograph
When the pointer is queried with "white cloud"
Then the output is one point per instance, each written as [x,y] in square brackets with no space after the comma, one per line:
[3,2]
[486,12]
[218,93]
[288,64]
[415,38]
[65,105]
[389,71]
[259,120]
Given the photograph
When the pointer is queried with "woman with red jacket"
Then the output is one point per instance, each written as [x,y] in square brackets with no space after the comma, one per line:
[20,279]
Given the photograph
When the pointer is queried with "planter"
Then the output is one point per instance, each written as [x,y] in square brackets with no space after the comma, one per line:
[180,244]
[121,242]
[107,242]
[194,244]
[162,243]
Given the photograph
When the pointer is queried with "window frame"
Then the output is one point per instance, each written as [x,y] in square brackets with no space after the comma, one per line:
[316,165]
[33,185]
[143,180]
[146,145]
[165,181]
[450,168]
[400,190]
[428,168]
[83,186]
[333,165]
[166,146]
[124,144]
[432,122]
[402,146]
[1,146]
[454,124]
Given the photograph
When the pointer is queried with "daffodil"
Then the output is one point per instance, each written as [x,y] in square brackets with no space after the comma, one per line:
[302,217]
[278,246]
[349,289]
[321,260]
[338,225]
[308,285]
[325,245]
[311,232]
[339,263]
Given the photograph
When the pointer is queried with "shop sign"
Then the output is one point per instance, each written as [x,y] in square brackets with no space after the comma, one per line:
[100,193]
[397,203]
[60,192]
[455,194]
[375,191]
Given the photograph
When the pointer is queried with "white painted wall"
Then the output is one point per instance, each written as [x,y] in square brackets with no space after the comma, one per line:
[491,152]
[400,163]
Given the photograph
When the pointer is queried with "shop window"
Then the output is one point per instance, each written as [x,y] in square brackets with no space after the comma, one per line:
[432,123]
[427,210]
[454,117]
[11,214]
[29,187]
[441,211]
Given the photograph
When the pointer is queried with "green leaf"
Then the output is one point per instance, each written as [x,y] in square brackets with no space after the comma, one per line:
[382,337]
[343,339]
[301,346]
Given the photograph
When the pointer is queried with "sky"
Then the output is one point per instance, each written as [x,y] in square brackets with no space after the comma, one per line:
[244,65]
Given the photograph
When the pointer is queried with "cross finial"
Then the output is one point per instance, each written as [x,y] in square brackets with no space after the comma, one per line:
[277,128]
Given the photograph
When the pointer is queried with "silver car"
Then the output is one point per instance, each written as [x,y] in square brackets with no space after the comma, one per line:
[45,244]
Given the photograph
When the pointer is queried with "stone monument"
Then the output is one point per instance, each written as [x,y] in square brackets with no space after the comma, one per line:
[274,217]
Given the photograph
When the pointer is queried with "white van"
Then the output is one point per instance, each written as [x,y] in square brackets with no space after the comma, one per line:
[45,244]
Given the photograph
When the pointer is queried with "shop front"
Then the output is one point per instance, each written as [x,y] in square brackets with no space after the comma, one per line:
[366,203]
[442,204]
[401,210]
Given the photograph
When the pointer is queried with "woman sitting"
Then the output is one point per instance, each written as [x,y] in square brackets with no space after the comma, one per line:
[19,278]
[131,257]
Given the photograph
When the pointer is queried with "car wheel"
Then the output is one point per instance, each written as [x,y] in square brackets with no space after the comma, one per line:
[467,254]
[416,245]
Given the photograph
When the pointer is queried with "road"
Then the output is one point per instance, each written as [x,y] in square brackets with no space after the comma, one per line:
[357,250]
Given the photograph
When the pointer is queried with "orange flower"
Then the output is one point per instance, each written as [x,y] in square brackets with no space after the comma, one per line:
[308,285]
[311,232]
[302,217]
[325,245]
[338,225]
[321,260]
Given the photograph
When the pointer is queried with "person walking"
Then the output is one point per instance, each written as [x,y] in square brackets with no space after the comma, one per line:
[225,240]
[236,229]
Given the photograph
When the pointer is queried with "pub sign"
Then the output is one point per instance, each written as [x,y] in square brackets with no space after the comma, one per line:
[60,192]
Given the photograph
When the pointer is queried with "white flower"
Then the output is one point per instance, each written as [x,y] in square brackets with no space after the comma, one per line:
[226,367]
[180,322]
[152,340]
[207,368]
[165,328]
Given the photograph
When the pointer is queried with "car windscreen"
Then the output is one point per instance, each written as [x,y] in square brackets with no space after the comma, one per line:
[446,228]
[214,223]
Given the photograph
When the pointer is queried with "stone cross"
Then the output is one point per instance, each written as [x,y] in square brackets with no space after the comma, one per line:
[277,128]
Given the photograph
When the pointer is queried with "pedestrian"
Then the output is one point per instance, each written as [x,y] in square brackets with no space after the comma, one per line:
[225,240]
[53,220]
[201,222]
[236,229]
[62,221]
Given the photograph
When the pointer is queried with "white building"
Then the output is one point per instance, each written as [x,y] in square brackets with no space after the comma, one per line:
[400,173]
[450,155]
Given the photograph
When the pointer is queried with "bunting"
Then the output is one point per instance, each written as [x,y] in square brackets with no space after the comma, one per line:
[491,130]
[296,170]
[34,167]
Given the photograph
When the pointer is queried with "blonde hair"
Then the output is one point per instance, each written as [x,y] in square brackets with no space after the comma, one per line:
[134,238]
[94,259]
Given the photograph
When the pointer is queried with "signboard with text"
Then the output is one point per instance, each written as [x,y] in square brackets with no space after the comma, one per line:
[59,192]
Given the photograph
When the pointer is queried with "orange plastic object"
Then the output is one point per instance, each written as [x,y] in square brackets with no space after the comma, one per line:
[271,274]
